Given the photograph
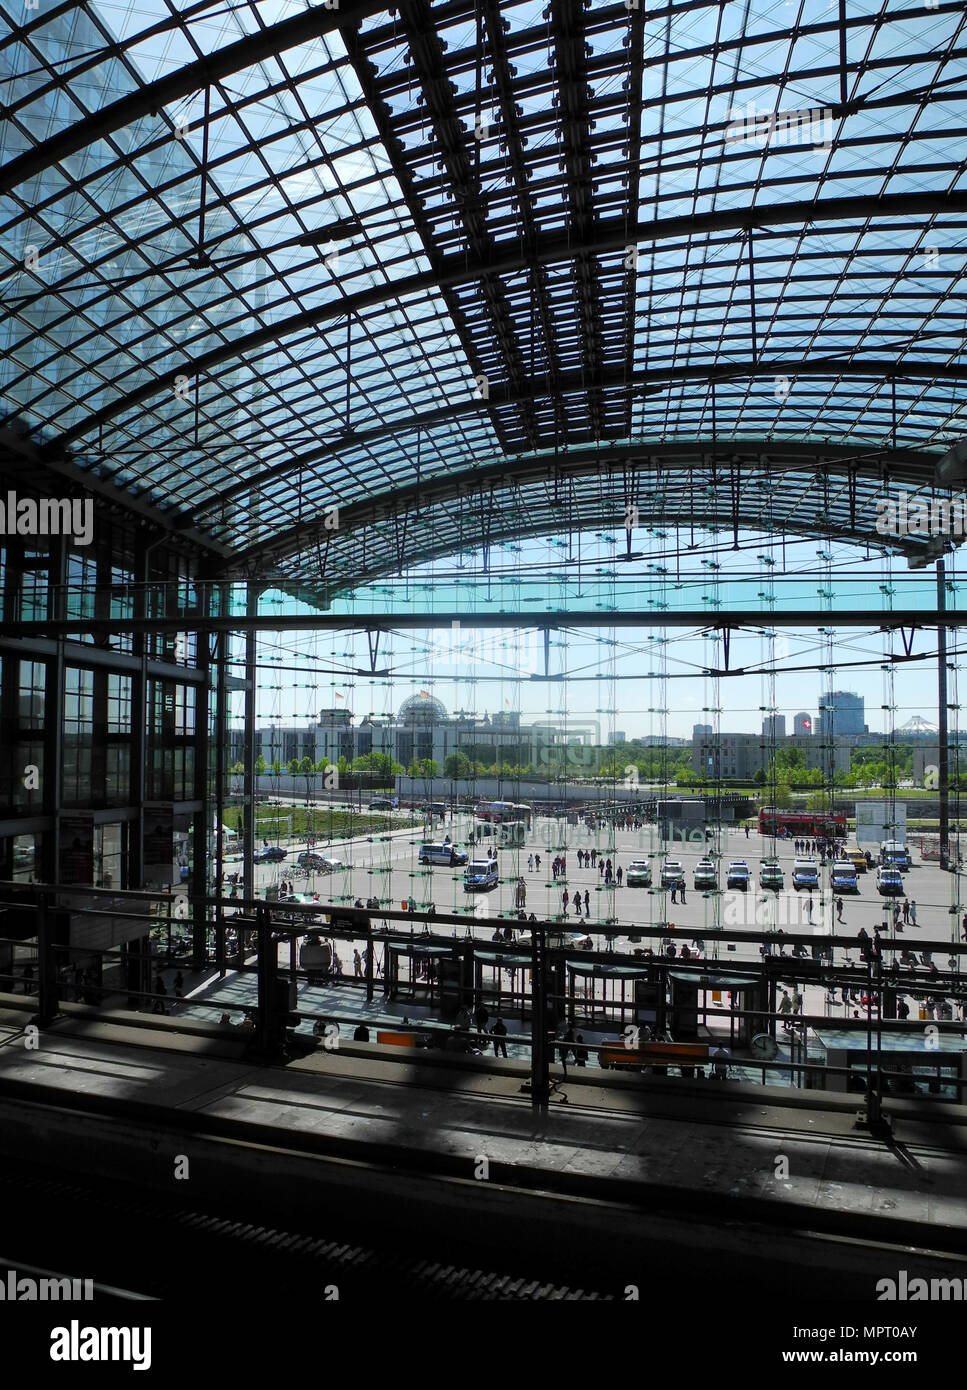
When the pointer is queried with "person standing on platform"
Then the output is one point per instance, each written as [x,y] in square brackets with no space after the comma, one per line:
[499,1032]
[481,1017]
[158,1006]
[587,903]
[565,899]
[564,1051]
[357,964]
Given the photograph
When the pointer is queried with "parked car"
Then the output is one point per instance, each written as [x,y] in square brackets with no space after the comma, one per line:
[442,854]
[325,863]
[270,854]
[889,881]
[481,873]
[771,875]
[672,874]
[738,876]
[843,877]
[805,874]
[705,875]
[639,874]
[381,803]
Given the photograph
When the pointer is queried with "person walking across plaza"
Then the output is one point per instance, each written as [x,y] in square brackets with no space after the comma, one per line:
[785,1007]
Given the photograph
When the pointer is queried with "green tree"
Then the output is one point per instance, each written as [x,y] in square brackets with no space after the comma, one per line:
[306,768]
[237,769]
[457,764]
[261,766]
[375,762]
[782,799]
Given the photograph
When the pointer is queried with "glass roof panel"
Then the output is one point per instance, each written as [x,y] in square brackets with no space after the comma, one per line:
[322,278]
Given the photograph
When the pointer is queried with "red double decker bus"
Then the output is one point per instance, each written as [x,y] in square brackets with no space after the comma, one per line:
[823,825]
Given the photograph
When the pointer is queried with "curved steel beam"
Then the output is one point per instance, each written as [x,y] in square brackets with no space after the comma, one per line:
[148,100]
[779,456]
[613,235]
[507,527]
[614,380]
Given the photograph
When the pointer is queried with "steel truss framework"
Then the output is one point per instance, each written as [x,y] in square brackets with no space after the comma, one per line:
[458,265]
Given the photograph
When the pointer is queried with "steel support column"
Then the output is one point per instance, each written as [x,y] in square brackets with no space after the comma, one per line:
[943,772]
[265,980]
[221,738]
[48,1001]
[540,1043]
[203,818]
[54,716]
[248,750]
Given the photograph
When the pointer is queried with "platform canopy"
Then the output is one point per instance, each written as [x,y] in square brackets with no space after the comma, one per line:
[323,288]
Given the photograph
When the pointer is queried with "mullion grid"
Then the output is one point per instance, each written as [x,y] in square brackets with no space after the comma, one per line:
[926,388]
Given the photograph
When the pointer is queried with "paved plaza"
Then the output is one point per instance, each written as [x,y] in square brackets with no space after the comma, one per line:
[387,868]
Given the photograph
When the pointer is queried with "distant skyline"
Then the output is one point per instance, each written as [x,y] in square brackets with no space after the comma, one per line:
[491,683]
[492,670]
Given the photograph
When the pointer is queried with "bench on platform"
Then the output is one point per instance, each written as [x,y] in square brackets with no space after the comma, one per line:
[652,1054]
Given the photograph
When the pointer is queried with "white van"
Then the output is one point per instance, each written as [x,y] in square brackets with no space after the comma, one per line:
[895,855]
[442,854]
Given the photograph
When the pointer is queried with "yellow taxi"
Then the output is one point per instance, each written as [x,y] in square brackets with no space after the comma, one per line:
[858,859]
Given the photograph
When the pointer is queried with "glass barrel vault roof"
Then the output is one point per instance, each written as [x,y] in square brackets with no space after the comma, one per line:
[262,261]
